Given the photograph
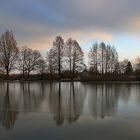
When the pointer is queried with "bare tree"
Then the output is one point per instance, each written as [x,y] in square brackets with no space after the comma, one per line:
[111,59]
[102,48]
[8,52]
[68,53]
[74,56]
[137,65]
[57,52]
[51,62]
[103,58]
[41,67]
[93,58]
[28,60]
[22,58]
[123,65]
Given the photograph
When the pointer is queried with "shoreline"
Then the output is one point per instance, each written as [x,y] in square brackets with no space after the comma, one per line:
[83,81]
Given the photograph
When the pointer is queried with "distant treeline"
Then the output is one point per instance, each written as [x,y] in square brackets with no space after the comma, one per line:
[64,61]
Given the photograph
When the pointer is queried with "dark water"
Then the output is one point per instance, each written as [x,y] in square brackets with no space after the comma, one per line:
[69,111]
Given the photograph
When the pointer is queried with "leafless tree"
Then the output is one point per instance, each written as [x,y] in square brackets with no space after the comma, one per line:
[103,58]
[102,48]
[111,59]
[41,67]
[8,52]
[136,64]
[74,56]
[29,60]
[123,65]
[57,52]
[51,62]
[68,53]
[22,58]
[93,58]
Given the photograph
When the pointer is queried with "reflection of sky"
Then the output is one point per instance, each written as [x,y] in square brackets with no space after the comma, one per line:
[88,111]
[128,104]
[86,98]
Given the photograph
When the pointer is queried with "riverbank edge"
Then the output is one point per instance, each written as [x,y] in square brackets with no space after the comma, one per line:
[83,81]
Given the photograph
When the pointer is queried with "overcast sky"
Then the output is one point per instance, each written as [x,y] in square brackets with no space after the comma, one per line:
[36,23]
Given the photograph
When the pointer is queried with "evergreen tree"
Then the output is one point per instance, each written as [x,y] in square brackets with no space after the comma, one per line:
[129,68]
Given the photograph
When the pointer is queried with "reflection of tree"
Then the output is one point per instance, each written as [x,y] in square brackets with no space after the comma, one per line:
[108,101]
[59,116]
[55,100]
[101,100]
[104,102]
[65,104]
[104,98]
[67,101]
[33,96]
[126,92]
[8,116]
[73,114]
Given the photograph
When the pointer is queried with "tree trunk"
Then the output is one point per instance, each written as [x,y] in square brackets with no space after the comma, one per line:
[23,73]
[70,70]
[59,65]
[102,63]
[7,73]
[28,73]
[73,71]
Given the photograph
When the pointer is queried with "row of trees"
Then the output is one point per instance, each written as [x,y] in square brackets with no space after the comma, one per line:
[63,57]
[103,58]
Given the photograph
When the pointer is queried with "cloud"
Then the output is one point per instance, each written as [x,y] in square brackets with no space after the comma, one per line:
[133,25]
[104,15]
[37,23]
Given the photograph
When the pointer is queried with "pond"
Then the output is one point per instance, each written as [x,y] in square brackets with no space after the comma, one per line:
[69,111]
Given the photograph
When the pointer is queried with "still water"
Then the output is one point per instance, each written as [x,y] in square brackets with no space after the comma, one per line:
[69,111]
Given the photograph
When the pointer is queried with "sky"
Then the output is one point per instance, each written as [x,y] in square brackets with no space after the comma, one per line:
[36,23]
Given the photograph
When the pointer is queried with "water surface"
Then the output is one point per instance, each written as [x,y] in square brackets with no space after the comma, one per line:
[69,111]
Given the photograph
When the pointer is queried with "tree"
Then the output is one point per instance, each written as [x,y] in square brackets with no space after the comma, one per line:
[137,65]
[28,60]
[102,48]
[122,65]
[75,57]
[68,53]
[22,58]
[103,58]
[129,69]
[93,58]
[41,67]
[57,52]
[8,52]
[111,59]
[51,63]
